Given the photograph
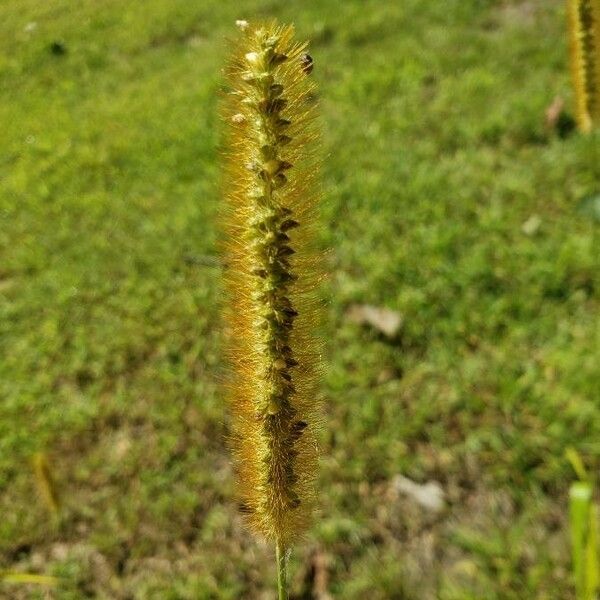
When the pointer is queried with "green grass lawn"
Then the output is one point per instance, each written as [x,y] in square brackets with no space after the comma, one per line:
[437,155]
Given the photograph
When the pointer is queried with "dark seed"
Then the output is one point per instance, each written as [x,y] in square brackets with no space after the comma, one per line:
[299,426]
[283,317]
[276,89]
[277,59]
[286,277]
[276,166]
[275,105]
[288,224]
[245,509]
[285,251]
[279,180]
[307,63]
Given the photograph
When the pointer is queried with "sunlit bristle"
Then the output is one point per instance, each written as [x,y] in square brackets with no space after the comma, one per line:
[270,198]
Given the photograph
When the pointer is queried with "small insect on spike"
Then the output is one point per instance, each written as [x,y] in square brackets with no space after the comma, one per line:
[268,224]
[584,38]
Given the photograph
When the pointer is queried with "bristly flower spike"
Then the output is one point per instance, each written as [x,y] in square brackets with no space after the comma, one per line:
[584,45]
[270,199]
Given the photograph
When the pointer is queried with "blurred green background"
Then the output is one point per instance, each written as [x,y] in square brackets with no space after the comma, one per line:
[448,200]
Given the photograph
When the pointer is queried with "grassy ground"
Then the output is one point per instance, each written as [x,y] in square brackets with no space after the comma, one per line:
[109,330]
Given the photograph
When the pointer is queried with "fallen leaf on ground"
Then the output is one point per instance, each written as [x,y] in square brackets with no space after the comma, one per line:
[384,320]
[554,111]
[558,119]
[429,496]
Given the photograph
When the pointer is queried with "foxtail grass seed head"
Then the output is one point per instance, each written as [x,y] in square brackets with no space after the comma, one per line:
[270,197]
[584,46]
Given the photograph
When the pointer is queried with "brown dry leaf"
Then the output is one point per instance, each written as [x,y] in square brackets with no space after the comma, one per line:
[387,321]
[554,111]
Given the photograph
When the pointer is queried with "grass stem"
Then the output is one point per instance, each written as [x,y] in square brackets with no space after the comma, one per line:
[281,558]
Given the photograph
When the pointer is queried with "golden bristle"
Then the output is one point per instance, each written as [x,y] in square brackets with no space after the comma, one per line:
[584,45]
[270,199]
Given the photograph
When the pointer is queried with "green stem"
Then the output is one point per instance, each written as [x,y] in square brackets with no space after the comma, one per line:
[281,558]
